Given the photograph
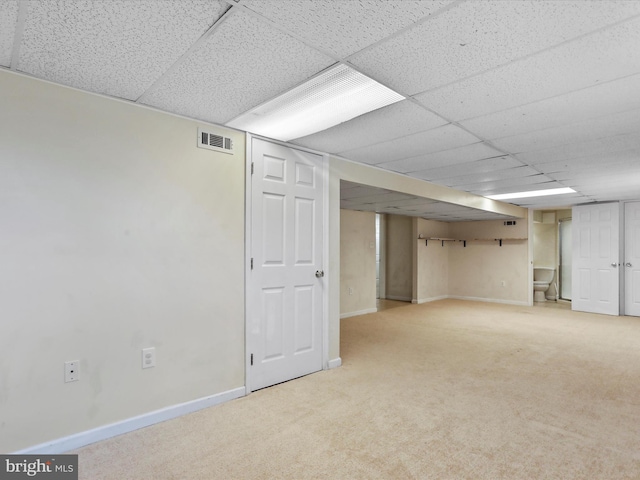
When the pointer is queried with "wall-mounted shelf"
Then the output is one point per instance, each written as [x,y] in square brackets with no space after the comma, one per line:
[426,240]
[465,240]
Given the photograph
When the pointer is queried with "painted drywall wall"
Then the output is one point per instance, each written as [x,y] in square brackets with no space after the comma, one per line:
[117,234]
[486,271]
[432,261]
[545,244]
[357,262]
[399,262]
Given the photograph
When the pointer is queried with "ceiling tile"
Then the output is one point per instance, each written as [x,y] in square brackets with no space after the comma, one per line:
[469,168]
[411,203]
[558,201]
[116,48]
[361,191]
[511,185]
[329,25]
[593,163]
[583,131]
[479,177]
[381,197]
[386,201]
[253,63]
[468,153]
[628,188]
[8,20]
[604,99]
[597,58]
[400,119]
[594,148]
[476,36]
[435,140]
[618,171]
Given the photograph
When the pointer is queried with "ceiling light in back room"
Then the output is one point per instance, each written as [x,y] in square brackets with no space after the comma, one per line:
[334,96]
[533,193]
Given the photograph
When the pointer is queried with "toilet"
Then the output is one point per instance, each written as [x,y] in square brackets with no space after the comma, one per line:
[542,278]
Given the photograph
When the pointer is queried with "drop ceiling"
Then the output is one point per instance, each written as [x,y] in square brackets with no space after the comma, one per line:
[500,96]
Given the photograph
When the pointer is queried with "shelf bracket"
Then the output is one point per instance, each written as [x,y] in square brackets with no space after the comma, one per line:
[464,243]
[500,242]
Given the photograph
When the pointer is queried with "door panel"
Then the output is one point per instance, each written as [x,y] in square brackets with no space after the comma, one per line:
[632,259]
[596,278]
[284,315]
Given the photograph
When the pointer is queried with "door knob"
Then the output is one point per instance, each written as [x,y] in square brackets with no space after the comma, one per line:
[319,273]
[614,265]
[628,264]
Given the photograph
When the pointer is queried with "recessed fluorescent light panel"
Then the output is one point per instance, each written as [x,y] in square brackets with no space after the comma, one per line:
[533,193]
[334,96]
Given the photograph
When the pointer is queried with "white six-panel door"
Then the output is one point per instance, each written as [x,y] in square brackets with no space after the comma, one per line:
[595,270]
[632,259]
[284,314]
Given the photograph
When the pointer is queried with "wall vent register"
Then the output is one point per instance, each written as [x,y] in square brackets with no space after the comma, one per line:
[213,141]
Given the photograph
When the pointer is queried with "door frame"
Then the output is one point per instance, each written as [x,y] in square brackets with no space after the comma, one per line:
[560,277]
[247,250]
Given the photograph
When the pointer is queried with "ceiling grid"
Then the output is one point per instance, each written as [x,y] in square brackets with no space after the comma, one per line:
[500,96]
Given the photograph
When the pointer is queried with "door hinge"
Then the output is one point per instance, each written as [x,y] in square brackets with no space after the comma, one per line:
[252,359]
[251,263]
[251,168]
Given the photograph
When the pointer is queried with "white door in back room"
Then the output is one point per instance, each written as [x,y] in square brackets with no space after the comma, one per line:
[595,267]
[632,259]
[285,285]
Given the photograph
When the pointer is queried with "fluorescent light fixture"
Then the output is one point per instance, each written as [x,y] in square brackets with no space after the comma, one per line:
[533,193]
[334,96]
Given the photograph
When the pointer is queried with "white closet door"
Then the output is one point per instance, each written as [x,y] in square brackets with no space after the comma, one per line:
[632,259]
[595,270]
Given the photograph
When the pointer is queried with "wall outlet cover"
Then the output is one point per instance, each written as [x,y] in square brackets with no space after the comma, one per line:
[148,357]
[72,371]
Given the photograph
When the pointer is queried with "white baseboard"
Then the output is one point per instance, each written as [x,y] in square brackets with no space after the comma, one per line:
[335,363]
[490,300]
[399,298]
[359,312]
[87,437]
[430,299]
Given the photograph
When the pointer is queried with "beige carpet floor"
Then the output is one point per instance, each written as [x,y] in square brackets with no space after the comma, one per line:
[446,390]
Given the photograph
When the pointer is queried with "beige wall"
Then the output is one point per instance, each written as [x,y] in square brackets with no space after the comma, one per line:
[399,258]
[117,234]
[545,244]
[357,262]
[432,264]
[484,270]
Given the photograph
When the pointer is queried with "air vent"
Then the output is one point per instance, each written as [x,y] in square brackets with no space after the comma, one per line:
[213,141]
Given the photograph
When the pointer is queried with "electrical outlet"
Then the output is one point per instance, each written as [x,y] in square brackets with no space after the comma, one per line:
[503,283]
[148,357]
[350,291]
[71,371]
